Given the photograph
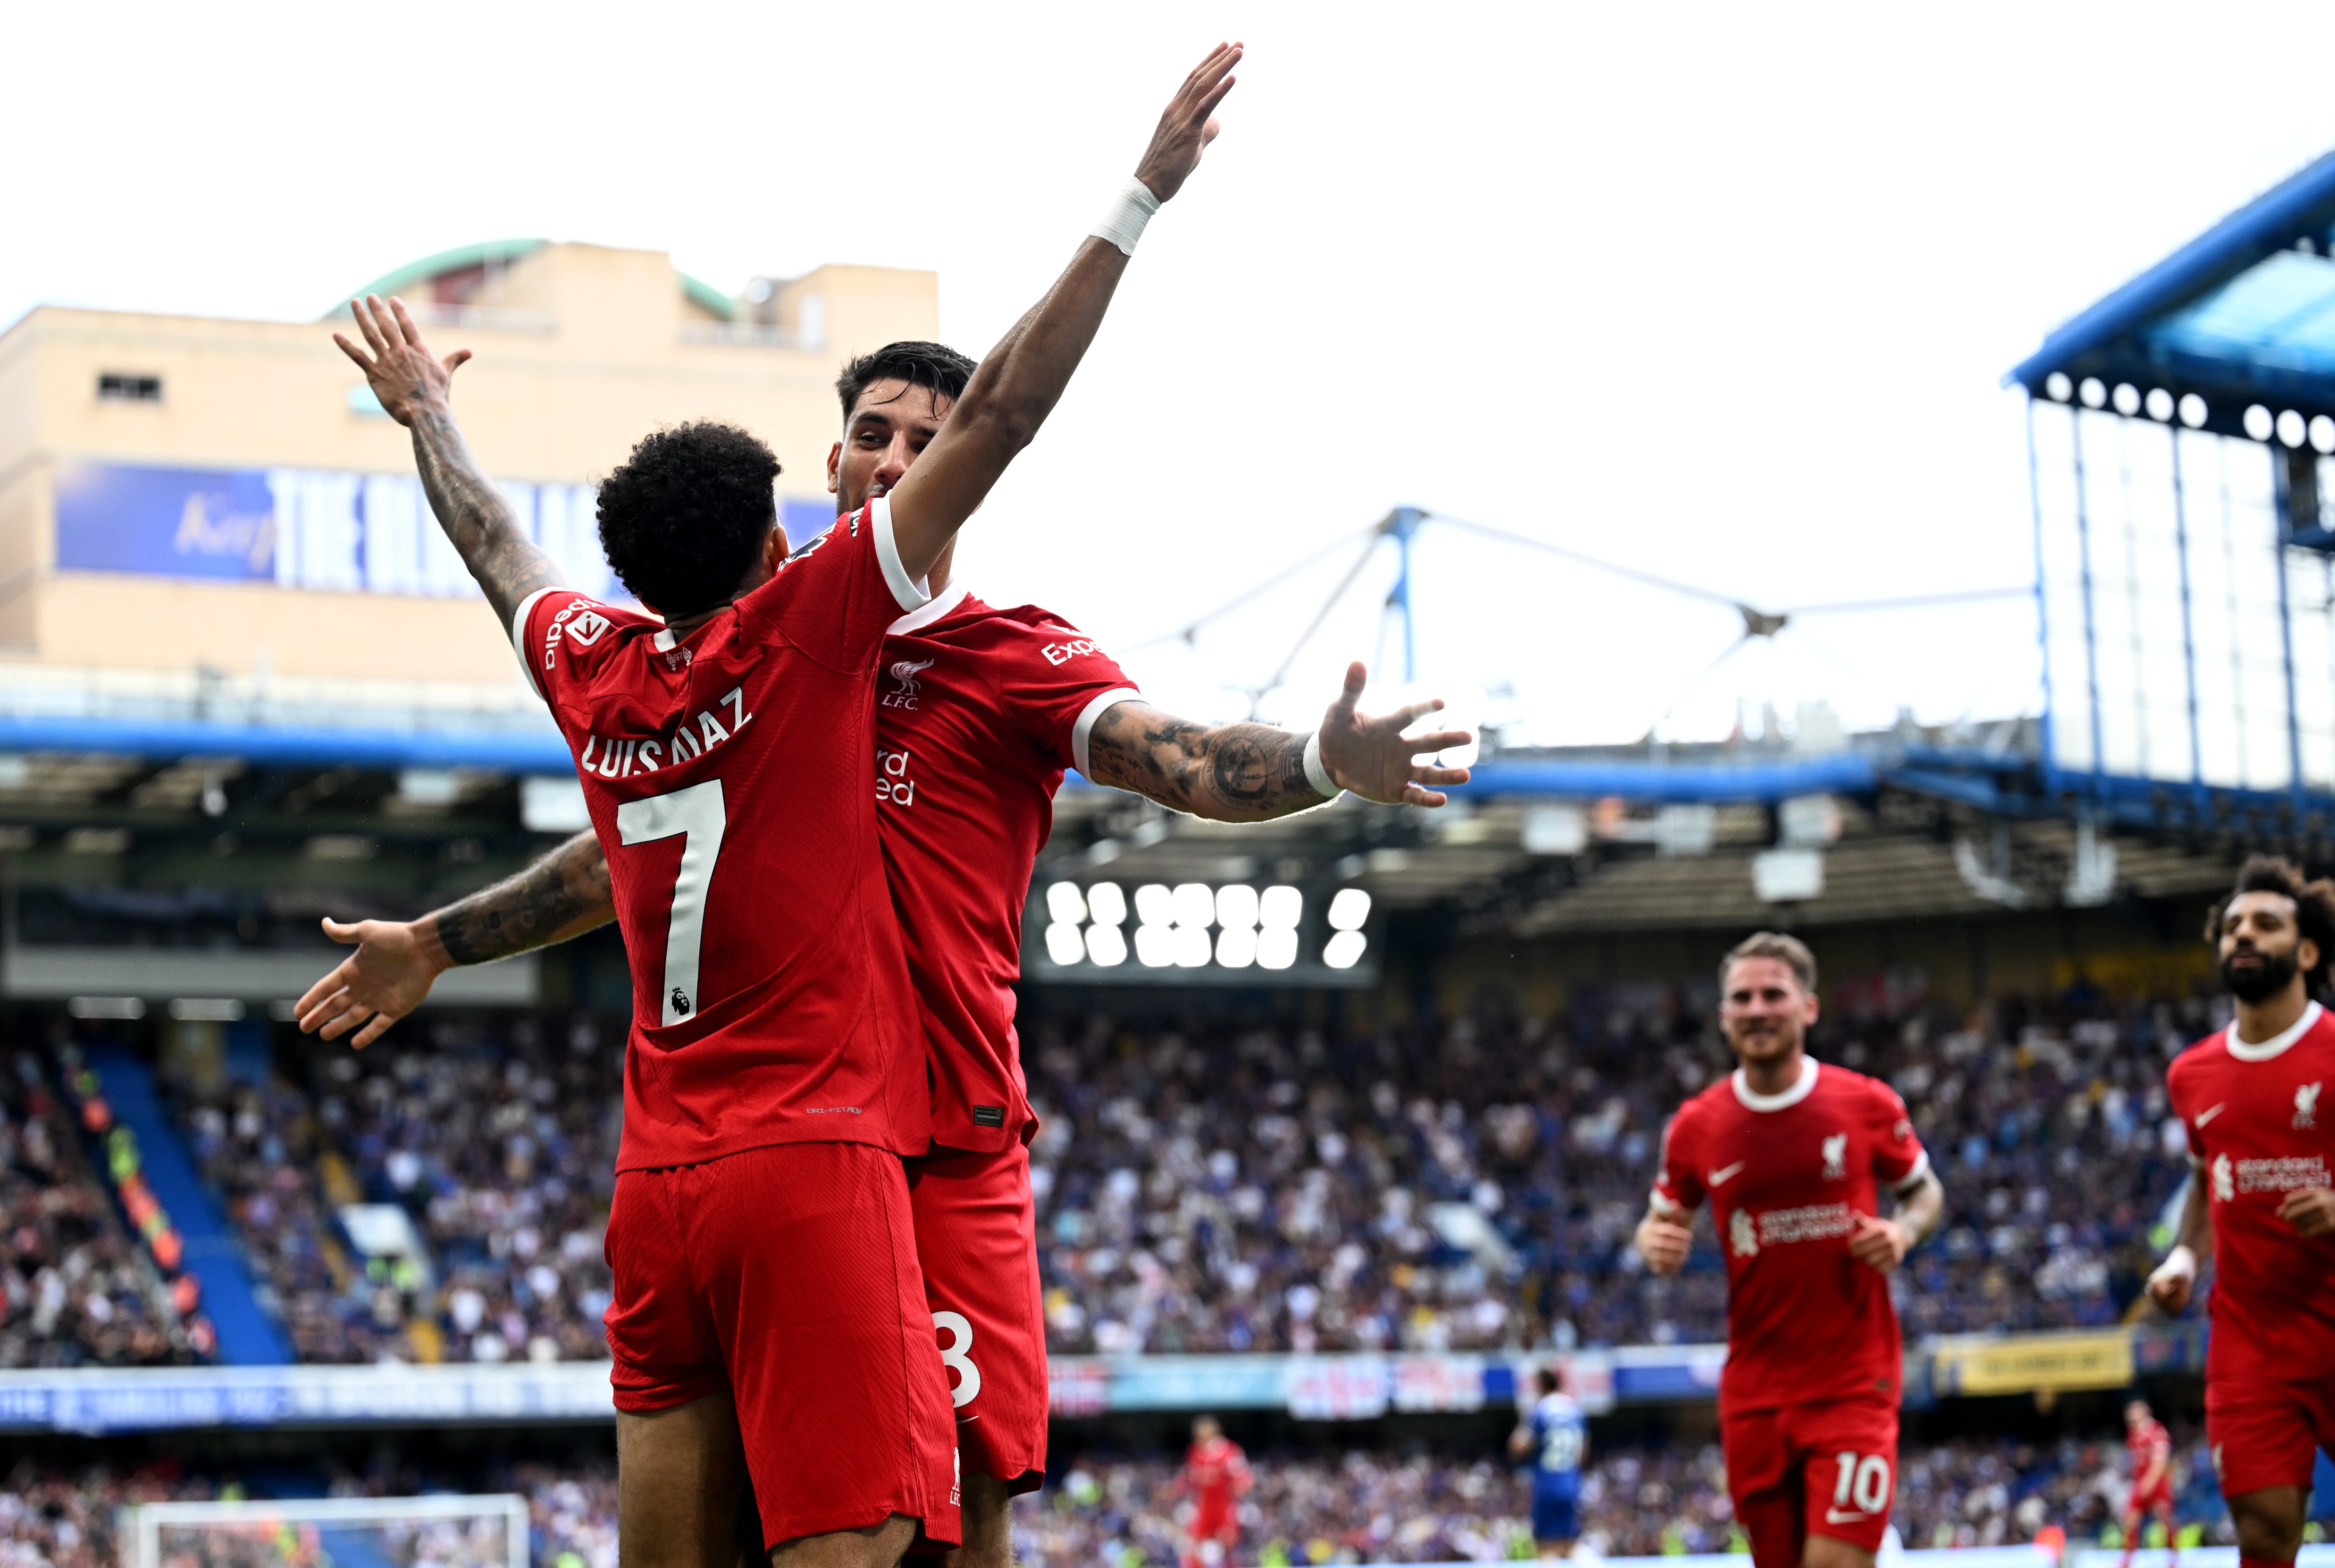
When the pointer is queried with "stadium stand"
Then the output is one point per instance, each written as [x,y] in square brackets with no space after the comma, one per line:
[1366,1506]
[74,1289]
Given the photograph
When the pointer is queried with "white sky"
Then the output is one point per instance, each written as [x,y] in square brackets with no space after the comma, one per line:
[1722,292]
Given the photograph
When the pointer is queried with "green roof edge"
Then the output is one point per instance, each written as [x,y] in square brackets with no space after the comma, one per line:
[484,254]
[704,295]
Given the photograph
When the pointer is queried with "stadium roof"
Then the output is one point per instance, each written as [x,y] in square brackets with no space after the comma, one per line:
[2245,314]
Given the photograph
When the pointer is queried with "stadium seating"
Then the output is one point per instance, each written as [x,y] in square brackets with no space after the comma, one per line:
[74,1289]
[1211,1187]
[1365,1506]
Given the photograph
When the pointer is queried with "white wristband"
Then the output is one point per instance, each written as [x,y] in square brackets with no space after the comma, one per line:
[2180,1261]
[1123,224]
[1317,775]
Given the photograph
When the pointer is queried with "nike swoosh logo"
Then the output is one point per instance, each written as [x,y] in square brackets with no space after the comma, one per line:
[1719,1178]
[1835,1516]
[2205,1115]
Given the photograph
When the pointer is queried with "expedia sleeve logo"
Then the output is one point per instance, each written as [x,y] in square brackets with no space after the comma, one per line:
[581,622]
[585,629]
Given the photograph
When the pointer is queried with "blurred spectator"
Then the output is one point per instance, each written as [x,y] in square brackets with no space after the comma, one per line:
[74,1289]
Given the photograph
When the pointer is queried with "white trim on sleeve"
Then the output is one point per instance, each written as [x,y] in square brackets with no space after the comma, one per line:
[2245,1050]
[1783,1101]
[1082,732]
[518,640]
[906,591]
[935,609]
[1913,1178]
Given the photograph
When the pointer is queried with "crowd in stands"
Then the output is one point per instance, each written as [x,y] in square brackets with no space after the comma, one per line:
[1361,1507]
[74,1289]
[499,1149]
[1476,1184]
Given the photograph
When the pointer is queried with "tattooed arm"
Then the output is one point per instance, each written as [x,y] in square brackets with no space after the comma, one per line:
[1253,772]
[563,895]
[414,388]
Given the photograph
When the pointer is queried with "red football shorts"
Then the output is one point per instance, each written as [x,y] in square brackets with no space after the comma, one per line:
[1828,1468]
[788,1276]
[976,1233]
[1220,1524]
[2263,1430]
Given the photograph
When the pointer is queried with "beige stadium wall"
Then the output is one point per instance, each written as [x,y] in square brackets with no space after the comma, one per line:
[598,358]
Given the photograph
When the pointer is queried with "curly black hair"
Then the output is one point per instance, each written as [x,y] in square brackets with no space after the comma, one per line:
[925,364]
[2314,908]
[681,518]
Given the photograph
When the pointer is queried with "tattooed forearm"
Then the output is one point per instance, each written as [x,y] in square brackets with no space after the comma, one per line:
[474,514]
[1227,773]
[563,895]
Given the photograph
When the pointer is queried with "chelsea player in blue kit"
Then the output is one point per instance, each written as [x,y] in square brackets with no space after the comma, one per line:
[1555,1436]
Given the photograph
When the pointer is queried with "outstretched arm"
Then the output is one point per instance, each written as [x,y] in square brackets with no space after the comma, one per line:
[562,895]
[415,389]
[1019,383]
[1253,772]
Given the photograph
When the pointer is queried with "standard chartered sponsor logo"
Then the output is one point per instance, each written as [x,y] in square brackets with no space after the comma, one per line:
[1815,1222]
[2282,1175]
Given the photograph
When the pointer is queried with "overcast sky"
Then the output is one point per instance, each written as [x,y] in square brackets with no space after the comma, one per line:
[1724,293]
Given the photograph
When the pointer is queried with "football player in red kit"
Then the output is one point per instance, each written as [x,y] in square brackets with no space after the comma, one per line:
[2262,1206]
[769,1306]
[1216,1477]
[1793,1155]
[2148,1448]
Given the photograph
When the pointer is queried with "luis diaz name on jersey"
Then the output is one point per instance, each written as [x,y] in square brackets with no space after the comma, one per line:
[622,757]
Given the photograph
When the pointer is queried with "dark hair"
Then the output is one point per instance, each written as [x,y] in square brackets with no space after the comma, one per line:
[1773,944]
[925,364]
[681,518]
[2314,907]
[1548,1380]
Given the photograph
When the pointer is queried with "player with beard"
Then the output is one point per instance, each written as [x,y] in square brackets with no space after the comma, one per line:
[2261,1204]
[1792,1154]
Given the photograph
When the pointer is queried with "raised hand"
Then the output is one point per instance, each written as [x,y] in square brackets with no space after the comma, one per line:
[1370,756]
[388,976]
[1188,125]
[401,368]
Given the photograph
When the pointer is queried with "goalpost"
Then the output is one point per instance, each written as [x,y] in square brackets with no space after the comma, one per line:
[488,1531]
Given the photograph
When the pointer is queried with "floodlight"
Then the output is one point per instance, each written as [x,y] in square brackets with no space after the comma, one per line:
[1106,904]
[2127,398]
[1348,911]
[1106,946]
[1279,909]
[2093,393]
[2322,435]
[2193,412]
[1193,948]
[2258,421]
[2057,387]
[1155,947]
[1154,906]
[1063,944]
[1236,946]
[2290,428]
[1236,906]
[1344,950]
[1276,947]
[1195,905]
[2160,404]
[1065,902]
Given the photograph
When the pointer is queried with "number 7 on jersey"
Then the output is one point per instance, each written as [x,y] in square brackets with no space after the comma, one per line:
[698,816]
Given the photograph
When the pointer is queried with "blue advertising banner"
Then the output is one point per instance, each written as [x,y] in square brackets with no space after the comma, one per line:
[316,528]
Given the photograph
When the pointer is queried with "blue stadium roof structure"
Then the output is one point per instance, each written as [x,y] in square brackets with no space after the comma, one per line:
[2243,314]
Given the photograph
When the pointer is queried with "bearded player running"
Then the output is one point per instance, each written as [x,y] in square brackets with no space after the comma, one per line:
[1791,1154]
[2262,1203]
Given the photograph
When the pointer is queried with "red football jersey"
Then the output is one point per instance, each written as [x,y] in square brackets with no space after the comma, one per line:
[2256,1134]
[771,995]
[977,713]
[2146,1446]
[1788,1174]
[1215,1473]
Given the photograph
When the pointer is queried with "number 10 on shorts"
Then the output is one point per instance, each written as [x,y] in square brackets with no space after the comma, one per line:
[1864,1485]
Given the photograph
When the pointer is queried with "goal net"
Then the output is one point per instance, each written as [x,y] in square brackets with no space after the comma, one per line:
[435,1532]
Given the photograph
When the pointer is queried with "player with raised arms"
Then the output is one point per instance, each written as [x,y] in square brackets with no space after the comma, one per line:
[980,709]
[1553,1436]
[2261,1204]
[769,1326]
[1792,1154]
